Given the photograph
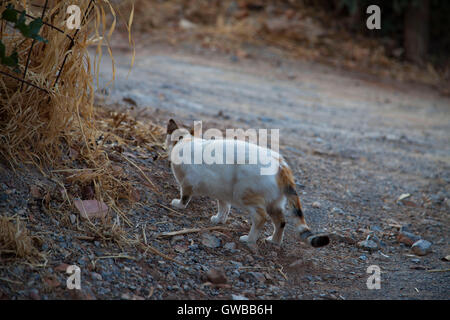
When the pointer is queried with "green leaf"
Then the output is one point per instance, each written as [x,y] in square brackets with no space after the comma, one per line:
[39,38]
[21,19]
[12,60]
[24,29]
[35,26]
[9,14]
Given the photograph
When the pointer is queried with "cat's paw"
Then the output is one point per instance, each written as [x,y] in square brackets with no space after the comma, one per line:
[243,239]
[177,204]
[216,219]
[270,240]
[247,240]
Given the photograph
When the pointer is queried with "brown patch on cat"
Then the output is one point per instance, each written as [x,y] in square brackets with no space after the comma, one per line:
[285,178]
[253,199]
[276,214]
[286,183]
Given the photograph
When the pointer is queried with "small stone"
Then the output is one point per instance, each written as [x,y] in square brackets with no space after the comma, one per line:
[125,296]
[62,267]
[230,246]
[35,192]
[84,294]
[210,241]
[363,258]
[73,218]
[238,297]
[368,245]
[34,294]
[258,276]
[186,24]
[236,264]
[421,247]
[337,210]
[97,276]
[316,205]
[180,248]
[177,238]
[193,247]
[407,238]
[415,260]
[216,276]
[376,229]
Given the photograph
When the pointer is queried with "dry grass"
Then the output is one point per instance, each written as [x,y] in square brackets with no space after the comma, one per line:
[15,240]
[59,131]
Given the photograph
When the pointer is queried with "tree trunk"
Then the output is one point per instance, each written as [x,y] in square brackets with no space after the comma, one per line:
[416,30]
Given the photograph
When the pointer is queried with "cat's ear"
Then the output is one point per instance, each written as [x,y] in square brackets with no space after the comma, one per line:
[196,130]
[171,126]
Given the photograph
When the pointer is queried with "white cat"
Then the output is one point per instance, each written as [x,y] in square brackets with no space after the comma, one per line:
[241,185]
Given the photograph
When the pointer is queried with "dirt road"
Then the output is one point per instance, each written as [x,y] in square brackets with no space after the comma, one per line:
[355,144]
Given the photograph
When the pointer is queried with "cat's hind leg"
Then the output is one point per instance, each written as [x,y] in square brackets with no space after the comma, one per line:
[186,195]
[223,208]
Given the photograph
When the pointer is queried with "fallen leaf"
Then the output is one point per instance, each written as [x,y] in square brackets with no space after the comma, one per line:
[91,208]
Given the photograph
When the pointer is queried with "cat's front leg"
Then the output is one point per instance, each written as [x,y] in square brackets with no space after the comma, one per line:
[186,195]
[279,223]
[223,208]
[258,219]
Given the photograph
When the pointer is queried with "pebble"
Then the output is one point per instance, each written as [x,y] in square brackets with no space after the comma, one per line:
[34,294]
[376,229]
[73,218]
[421,247]
[363,258]
[193,247]
[368,245]
[238,297]
[236,264]
[377,240]
[177,238]
[407,238]
[316,205]
[96,276]
[230,246]
[258,276]
[337,210]
[210,241]
[216,276]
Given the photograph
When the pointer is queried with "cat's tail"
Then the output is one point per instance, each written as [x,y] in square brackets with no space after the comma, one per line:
[286,183]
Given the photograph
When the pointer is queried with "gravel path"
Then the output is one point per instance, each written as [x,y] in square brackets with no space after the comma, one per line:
[356,144]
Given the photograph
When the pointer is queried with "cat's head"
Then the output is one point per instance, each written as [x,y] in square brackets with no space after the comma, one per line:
[174,134]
